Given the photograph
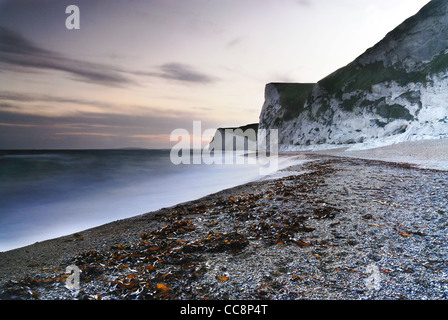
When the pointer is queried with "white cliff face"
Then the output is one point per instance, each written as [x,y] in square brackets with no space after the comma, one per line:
[397,91]
[425,117]
[272,108]
[235,139]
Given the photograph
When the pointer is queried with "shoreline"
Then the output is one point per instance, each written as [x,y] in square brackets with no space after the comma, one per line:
[32,256]
[285,160]
[324,197]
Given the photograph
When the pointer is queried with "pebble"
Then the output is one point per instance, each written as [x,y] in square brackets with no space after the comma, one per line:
[327,226]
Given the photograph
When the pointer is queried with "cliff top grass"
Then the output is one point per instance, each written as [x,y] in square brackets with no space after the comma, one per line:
[293,97]
[253,126]
[361,77]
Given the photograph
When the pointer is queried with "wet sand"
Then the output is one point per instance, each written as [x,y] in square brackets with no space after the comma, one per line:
[335,228]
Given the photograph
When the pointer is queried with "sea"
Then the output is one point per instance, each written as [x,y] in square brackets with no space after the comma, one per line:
[46,194]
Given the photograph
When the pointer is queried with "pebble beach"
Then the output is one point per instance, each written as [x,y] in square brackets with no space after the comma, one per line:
[340,226]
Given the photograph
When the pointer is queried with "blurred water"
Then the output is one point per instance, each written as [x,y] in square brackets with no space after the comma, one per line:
[46,194]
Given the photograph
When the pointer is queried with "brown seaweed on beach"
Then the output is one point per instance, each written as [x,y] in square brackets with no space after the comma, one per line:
[294,237]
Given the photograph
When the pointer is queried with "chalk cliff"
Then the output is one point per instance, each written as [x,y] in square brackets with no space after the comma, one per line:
[396,91]
[236,138]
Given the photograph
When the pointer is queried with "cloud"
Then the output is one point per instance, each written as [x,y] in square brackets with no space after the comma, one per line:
[17,51]
[7,106]
[179,72]
[28,97]
[304,3]
[19,128]
[235,42]
[83,114]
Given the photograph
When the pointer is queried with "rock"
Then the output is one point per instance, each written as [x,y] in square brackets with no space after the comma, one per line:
[395,91]
[237,138]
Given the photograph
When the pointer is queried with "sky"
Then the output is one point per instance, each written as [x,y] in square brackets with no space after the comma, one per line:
[136,70]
